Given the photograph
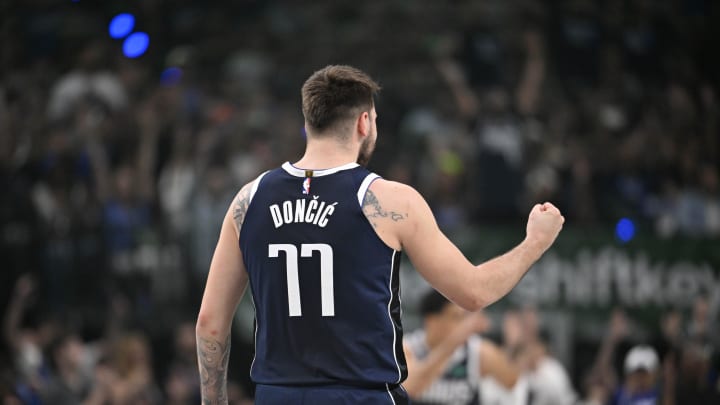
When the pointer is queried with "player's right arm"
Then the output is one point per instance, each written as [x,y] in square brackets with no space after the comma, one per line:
[440,262]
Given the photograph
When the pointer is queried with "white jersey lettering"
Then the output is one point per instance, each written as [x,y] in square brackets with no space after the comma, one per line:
[314,212]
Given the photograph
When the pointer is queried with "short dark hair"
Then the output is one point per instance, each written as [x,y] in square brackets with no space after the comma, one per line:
[334,93]
[432,303]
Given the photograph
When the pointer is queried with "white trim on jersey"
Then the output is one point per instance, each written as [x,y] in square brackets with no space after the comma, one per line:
[392,323]
[387,387]
[255,186]
[364,187]
[298,172]
[253,190]
[252,299]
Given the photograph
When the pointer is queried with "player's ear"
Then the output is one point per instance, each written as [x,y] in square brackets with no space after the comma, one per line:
[363,123]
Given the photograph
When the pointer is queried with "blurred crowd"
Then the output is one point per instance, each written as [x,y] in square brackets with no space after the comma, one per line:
[678,365]
[56,358]
[116,172]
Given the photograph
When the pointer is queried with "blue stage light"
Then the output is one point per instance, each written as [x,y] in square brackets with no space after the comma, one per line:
[625,230]
[136,44]
[121,25]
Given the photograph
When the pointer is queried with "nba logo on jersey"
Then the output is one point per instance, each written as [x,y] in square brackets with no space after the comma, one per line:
[306,186]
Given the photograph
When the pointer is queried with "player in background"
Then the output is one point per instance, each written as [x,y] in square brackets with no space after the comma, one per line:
[448,360]
[325,289]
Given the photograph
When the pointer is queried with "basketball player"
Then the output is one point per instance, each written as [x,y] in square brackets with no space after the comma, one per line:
[447,359]
[319,243]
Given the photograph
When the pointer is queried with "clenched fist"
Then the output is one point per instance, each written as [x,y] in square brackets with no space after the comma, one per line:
[544,225]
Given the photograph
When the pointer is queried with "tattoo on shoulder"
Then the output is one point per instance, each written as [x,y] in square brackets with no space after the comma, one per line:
[242,201]
[374,210]
[213,357]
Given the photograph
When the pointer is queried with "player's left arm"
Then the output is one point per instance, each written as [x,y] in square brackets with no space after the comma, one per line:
[225,287]
[495,363]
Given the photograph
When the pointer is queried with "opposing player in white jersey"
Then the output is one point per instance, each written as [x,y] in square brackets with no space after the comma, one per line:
[448,360]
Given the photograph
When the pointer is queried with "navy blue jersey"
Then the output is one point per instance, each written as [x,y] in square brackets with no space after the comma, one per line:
[325,287]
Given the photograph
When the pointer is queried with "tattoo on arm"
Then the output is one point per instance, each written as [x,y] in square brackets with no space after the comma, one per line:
[242,201]
[213,359]
[374,210]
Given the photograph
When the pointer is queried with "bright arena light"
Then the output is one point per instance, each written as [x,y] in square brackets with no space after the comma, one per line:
[121,25]
[136,44]
[625,230]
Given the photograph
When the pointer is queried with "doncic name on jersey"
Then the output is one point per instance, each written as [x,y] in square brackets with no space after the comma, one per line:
[312,211]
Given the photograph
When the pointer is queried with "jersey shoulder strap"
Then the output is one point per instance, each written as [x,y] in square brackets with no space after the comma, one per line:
[362,190]
[255,185]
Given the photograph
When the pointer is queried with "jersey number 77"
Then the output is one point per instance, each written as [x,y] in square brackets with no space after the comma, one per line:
[293,281]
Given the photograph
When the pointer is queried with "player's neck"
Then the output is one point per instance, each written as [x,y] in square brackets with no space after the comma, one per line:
[326,154]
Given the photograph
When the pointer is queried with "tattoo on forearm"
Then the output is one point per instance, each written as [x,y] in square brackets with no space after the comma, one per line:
[242,201]
[374,210]
[213,359]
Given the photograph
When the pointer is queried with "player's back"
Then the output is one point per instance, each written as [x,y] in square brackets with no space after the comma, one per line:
[325,287]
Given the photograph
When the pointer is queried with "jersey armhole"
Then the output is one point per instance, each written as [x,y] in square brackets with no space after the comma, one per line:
[253,190]
[364,187]
[361,193]
[255,186]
